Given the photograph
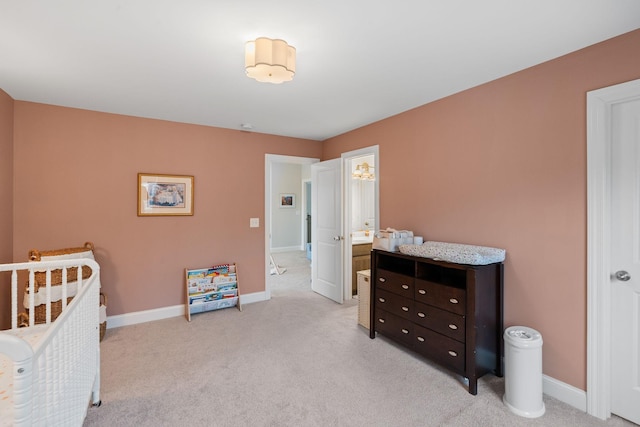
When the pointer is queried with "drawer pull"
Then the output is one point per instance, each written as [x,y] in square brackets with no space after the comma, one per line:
[452,326]
[405,286]
[422,291]
[421,314]
[381,320]
[382,300]
[405,308]
[453,301]
[405,331]
[366,279]
[382,279]
[420,339]
[453,353]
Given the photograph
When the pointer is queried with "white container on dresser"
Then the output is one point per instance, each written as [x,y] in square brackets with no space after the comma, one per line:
[450,313]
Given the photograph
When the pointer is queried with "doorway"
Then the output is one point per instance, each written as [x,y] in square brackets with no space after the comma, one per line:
[600,111]
[285,176]
[362,209]
[305,186]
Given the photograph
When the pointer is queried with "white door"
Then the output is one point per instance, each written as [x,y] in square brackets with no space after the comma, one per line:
[326,225]
[625,261]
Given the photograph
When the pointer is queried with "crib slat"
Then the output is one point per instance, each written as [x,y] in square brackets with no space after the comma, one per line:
[64,288]
[48,293]
[79,278]
[32,297]
[14,299]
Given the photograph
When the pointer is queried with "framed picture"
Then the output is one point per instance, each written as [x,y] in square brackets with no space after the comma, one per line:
[287,200]
[165,194]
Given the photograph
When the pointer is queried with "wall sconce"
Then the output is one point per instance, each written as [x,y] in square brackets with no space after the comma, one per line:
[363,172]
[270,60]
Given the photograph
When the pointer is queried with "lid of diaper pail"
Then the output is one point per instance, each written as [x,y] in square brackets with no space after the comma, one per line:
[523,337]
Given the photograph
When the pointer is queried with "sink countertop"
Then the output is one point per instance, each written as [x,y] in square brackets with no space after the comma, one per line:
[361,240]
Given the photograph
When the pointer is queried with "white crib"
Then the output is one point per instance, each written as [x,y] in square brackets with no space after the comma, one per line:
[50,373]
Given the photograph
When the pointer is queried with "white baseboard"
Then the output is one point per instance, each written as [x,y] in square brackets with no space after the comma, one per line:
[565,393]
[254,297]
[129,319]
[286,249]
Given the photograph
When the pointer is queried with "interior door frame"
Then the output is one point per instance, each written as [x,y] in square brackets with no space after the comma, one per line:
[346,203]
[599,168]
[269,159]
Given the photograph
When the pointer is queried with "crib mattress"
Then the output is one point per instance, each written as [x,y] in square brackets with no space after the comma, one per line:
[31,335]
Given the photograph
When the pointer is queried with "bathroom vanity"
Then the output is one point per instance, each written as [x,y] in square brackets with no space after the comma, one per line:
[360,260]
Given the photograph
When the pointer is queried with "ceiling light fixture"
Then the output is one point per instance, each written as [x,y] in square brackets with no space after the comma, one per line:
[270,60]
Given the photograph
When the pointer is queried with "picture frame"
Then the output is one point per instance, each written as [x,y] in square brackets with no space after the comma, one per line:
[165,195]
[287,200]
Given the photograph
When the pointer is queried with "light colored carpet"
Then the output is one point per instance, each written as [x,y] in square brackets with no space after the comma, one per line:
[295,360]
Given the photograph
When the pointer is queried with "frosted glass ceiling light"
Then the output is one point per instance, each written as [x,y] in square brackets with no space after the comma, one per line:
[270,60]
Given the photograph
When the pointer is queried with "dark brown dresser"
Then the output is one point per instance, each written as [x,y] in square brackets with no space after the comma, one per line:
[450,313]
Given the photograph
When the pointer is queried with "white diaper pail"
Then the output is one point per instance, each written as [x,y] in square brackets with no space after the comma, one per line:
[523,371]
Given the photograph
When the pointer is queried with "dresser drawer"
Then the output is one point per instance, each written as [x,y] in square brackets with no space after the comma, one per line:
[395,304]
[394,282]
[394,326]
[442,321]
[443,350]
[445,297]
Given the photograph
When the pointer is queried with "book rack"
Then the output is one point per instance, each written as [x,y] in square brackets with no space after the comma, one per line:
[211,288]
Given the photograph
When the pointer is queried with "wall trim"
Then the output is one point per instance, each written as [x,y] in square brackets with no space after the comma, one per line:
[564,392]
[286,249]
[254,297]
[144,316]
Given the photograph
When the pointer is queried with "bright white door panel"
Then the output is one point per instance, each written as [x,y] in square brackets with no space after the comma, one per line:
[625,261]
[326,225]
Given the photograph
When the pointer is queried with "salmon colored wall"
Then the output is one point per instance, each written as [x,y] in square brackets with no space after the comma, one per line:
[504,165]
[6,204]
[76,181]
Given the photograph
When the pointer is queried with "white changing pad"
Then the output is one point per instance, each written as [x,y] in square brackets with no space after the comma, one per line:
[455,252]
[31,335]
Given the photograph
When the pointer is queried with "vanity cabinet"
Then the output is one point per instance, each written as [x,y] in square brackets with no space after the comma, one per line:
[449,313]
[360,260]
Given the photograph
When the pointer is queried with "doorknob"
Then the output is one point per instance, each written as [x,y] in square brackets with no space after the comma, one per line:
[623,276]
[338,238]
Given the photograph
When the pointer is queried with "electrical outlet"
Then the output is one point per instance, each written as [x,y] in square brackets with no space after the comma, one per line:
[254,222]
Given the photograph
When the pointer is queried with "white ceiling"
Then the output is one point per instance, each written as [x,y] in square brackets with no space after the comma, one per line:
[358,61]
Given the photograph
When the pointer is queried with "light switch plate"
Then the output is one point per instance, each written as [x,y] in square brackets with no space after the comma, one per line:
[254,222]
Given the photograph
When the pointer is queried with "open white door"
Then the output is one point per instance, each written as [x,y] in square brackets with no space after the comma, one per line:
[326,225]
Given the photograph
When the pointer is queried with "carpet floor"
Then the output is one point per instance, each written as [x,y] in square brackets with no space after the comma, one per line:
[298,359]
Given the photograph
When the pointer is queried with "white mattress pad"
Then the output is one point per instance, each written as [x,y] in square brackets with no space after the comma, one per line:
[31,335]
